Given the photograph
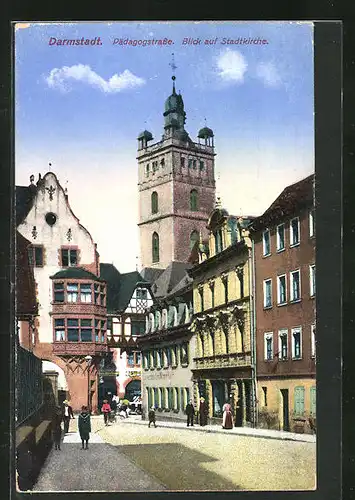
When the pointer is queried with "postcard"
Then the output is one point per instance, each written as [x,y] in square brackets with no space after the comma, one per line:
[165,256]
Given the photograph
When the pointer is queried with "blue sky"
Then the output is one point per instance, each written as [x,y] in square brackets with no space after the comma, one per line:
[82,107]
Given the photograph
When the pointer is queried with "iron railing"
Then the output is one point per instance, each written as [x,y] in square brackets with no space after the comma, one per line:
[28,384]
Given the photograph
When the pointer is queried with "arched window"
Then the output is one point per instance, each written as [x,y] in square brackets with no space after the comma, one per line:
[194,236]
[154,199]
[193,200]
[155,247]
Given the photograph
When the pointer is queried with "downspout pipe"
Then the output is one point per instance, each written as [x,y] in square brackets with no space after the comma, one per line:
[252,327]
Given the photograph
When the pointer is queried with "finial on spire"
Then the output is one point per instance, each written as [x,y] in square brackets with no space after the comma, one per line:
[49,165]
[205,122]
[173,67]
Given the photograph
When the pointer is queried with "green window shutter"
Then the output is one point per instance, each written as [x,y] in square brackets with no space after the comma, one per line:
[170,398]
[313,401]
[149,397]
[299,400]
[187,394]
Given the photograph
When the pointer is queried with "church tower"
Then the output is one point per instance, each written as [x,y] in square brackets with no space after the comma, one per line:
[176,188]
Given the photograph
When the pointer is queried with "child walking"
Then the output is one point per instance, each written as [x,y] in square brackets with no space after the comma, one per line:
[106,410]
[84,425]
[57,430]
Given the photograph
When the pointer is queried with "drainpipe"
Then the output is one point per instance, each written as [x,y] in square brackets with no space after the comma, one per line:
[252,329]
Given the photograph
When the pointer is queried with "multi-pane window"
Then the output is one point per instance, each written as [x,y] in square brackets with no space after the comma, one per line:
[72,292]
[283,344]
[312,280]
[268,346]
[59,329]
[193,200]
[154,202]
[79,330]
[281,289]
[69,257]
[100,330]
[311,223]
[137,328]
[59,292]
[141,293]
[35,255]
[155,247]
[294,231]
[267,293]
[299,401]
[313,341]
[295,285]
[85,292]
[266,243]
[296,343]
[100,294]
[202,165]
[280,237]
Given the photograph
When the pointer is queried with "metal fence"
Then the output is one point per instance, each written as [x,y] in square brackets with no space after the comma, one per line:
[28,384]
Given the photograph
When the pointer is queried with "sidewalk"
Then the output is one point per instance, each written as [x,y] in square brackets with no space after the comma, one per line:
[100,468]
[242,431]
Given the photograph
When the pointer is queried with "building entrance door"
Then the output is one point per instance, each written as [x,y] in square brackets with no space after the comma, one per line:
[285,409]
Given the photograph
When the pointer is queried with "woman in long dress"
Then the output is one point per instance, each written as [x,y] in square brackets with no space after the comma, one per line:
[227,422]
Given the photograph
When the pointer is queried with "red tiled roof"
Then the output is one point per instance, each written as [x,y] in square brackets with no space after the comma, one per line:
[292,199]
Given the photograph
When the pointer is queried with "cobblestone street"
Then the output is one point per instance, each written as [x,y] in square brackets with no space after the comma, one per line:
[127,456]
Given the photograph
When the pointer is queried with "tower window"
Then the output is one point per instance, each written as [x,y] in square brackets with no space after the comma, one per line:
[190,162]
[162,162]
[147,170]
[202,165]
[193,200]
[182,161]
[194,164]
[155,247]
[194,236]
[154,200]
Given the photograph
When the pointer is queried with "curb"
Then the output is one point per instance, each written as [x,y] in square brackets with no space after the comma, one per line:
[222,431]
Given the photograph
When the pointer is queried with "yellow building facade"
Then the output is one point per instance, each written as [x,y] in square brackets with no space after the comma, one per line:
[222,321]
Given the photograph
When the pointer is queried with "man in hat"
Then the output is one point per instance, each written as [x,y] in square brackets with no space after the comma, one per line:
[151,416]
[84,425]
[203,412]
[67,412]
[190,412]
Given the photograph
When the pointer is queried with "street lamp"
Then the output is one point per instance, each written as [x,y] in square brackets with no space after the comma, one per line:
[88,360]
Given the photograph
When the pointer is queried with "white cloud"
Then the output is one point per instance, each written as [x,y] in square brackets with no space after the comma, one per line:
[59,78]
[268,74]
[232,66]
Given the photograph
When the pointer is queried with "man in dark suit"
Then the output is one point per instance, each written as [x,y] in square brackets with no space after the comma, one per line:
[67,412]
[190,412]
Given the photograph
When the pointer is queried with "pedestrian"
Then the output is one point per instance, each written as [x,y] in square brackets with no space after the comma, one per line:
[190,412]
[227,422]
[124,408]
[203,412]
[114,404]
[67,412]
[84,424]
[239,413]
[106,409]
[151,416]
[57,429]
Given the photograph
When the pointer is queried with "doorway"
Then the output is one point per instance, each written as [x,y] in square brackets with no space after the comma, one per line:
[285,409]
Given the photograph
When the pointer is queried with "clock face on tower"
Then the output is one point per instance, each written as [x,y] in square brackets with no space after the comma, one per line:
[51,218]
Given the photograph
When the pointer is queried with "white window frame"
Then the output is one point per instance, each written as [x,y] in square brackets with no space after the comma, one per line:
[292,243]
[312,277]
[313,341]
[278,247]
[293,331]
[266,254]
[264,288]
[311,223]
[279,303]
[283,332]
[268,336]
[292,299]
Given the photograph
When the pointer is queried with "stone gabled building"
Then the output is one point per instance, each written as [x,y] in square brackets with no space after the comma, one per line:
[222,321]
[71,296]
